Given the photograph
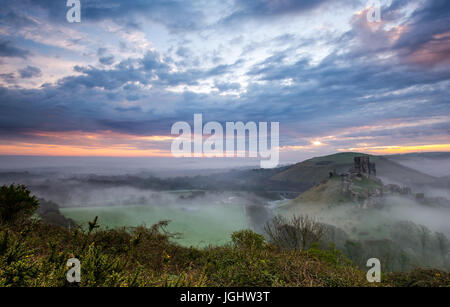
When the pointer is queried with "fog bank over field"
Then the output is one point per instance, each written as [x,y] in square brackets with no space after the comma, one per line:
[438,167]
[436,219]
[127,192]
[402,233]
[433,164]
[371,222]
[161,167]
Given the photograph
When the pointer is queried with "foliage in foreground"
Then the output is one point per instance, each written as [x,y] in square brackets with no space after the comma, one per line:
[37,254]
[33,253]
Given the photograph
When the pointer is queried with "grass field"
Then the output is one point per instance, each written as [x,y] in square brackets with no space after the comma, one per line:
[199,226]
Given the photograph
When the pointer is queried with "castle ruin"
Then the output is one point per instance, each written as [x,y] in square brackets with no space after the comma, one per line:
[363,167]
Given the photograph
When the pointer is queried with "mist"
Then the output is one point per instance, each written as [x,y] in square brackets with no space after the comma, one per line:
[158,166]
[439,167]
[402,227]
[126,193]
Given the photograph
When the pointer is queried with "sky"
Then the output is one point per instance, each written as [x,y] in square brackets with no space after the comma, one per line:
[115,83]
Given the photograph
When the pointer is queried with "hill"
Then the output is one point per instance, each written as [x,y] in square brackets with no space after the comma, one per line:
[315,170]
[330,191]
[327,192]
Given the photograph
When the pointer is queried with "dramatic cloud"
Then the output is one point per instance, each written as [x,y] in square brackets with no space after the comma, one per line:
[131,69]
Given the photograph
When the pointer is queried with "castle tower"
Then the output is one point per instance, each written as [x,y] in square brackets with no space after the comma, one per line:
[363,167]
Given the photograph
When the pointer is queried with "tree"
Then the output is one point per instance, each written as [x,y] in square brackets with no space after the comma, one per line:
[424,237]
[444,247]
[298,232]
[16,202]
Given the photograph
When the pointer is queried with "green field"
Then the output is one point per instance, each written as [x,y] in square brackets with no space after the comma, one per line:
[200,226]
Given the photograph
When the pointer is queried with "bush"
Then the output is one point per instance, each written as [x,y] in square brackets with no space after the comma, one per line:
[419,278]
[17,267]
[16,203]
[248,239]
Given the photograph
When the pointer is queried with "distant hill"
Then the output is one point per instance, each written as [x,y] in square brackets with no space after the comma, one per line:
[315,170]
[330,191]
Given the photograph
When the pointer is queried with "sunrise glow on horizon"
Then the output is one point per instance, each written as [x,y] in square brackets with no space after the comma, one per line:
[114,83]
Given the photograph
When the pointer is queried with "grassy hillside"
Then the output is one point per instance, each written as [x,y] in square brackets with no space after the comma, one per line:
[327,192]
[314,171]
[330,191]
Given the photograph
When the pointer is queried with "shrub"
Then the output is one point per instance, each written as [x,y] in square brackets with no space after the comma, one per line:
[419,278]
[248,239]
[16,202]
[17,267]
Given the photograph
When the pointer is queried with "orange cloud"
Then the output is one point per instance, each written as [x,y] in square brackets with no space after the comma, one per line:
[101,135]
[77,143]
[389,150]
[29,149]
